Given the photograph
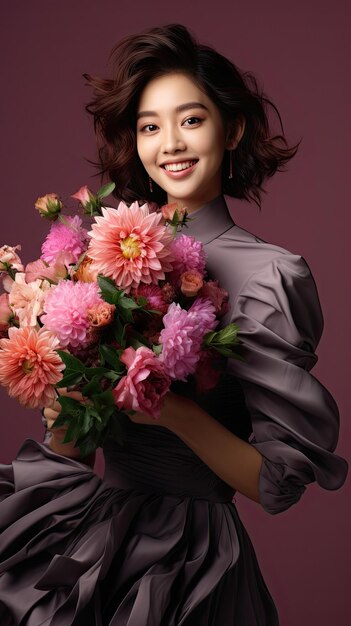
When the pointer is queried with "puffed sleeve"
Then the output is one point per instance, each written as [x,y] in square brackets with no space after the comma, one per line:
[295,419]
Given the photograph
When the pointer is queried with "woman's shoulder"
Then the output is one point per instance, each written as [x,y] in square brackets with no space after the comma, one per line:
[242,259]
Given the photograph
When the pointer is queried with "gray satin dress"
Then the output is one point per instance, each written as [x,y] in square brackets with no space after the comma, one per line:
[158,541]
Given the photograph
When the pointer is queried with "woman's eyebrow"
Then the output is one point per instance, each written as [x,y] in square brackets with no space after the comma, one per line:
[178,109]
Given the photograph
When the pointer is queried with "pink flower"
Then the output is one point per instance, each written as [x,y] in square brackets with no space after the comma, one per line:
[83,195]
[154,296]
[10,258]
[168,211]
[5,313]
[49,206]
[145,385]
[30,366]
[182,336]
[27,299]
[180,343]
[40,269]
[218,296]
[130,245]
[190,283]
[189,256]
[66,311]
[65,241]
[202,315]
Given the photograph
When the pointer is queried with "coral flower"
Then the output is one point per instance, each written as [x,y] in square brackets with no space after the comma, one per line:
[30,366]
[130,245]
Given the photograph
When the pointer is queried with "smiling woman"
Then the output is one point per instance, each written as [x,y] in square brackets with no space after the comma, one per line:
[181,139]
[159,539]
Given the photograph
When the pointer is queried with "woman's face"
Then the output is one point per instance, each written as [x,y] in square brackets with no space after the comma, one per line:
[181,138]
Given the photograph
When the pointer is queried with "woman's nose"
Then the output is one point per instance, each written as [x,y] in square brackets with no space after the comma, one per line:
[172,140]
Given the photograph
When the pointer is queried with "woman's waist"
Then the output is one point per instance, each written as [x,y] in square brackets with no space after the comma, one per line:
[163,470]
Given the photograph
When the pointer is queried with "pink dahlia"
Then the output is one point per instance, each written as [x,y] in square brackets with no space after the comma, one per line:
[145,384]
[65,242]
[130,245]
[189,255]
[202,315]
[67,309]
[181,343]
[30,366]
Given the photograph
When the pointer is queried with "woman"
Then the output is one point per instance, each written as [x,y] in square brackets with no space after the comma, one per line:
[159,541]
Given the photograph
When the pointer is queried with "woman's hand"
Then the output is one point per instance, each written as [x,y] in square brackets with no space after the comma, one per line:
[51,413]
[174,407]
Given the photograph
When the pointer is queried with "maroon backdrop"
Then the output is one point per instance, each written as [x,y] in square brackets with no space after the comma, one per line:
[298,51]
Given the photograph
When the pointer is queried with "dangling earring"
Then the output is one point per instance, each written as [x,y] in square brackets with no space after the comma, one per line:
[230,164]
[150,184]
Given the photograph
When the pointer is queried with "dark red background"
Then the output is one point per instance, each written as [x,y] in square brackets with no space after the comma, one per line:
[299,53]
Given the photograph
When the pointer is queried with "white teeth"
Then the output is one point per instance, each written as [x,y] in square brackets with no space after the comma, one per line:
[175,167]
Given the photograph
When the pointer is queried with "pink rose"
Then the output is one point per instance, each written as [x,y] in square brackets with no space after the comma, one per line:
[41,270]
[145,384]
[5,314]
[191,283]
[169,210]
[218,296]
[49,206]
[83,195]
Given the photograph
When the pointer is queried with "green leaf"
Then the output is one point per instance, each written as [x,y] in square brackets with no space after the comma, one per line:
[110,356]
[70,379]
[92,387]
[71,407]
[157,348]
[106,190]
[109,291]
[71,362]
[90,372]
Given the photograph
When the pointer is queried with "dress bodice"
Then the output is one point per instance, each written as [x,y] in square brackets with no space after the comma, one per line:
[154,459]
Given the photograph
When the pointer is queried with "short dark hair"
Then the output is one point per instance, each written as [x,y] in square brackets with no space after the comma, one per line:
[139,58]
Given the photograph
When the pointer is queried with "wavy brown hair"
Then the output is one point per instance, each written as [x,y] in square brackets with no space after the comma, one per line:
[136,60]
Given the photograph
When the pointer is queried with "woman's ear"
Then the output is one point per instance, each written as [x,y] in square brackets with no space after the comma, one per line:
[235,132]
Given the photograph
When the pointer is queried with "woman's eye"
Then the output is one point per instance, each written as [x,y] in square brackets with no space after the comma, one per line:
[148,128]
[192,121]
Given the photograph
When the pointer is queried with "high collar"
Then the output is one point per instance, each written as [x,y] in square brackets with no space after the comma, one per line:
[209,221]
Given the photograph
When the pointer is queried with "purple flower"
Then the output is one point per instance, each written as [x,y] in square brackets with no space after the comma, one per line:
[182,336]
[188,255]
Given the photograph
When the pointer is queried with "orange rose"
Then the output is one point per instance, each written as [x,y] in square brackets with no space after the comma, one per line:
[191,283]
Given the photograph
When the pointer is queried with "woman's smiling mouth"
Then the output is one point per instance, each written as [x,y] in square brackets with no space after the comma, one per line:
[177,170]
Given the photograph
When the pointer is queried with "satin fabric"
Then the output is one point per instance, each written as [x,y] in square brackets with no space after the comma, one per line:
[158,541]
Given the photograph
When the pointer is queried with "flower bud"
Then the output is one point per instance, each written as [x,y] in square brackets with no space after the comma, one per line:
[49,206]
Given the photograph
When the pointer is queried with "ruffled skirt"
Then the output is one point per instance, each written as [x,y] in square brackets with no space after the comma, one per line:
[75,550]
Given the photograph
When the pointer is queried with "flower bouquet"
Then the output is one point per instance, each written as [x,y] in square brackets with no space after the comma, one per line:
[118,312]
